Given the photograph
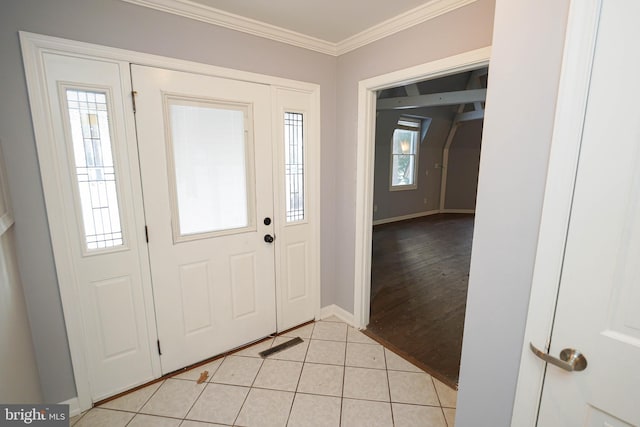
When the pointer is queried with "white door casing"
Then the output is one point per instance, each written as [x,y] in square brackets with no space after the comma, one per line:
[111,284]
[366,153]
[213,291]
[35,47]
[597,310]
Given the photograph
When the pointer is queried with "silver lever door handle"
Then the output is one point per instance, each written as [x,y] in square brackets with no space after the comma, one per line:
[570,359]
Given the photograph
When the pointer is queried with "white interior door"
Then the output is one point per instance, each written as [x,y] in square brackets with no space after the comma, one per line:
[206,164]
[598,309]
[92,186]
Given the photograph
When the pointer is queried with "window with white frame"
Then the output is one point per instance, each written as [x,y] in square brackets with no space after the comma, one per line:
[404,154]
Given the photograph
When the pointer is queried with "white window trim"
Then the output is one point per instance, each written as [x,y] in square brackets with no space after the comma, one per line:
[418,130]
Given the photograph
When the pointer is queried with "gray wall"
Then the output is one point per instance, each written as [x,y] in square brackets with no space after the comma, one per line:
[463,165]
[464,161]
[391,204]
[523,83]
[459,31]
[19,380]
[119,24]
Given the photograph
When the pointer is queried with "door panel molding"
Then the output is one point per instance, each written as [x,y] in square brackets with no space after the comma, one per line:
[34,47]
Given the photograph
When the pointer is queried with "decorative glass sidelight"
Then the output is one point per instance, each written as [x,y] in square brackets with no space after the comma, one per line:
[95,169]
[294,166]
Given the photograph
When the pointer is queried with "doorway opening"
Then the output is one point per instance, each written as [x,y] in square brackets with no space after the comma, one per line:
[413,252]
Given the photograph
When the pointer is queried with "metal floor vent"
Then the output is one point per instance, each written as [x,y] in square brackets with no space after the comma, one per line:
[285,345]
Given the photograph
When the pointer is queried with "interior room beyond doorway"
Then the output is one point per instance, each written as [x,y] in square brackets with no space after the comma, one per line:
[420,273]
[427,155]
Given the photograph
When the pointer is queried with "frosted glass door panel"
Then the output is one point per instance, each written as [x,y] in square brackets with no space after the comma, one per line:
[211,152]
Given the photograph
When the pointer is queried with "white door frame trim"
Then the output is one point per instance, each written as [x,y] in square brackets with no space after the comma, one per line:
[573,92]
[365,158]
[33,48]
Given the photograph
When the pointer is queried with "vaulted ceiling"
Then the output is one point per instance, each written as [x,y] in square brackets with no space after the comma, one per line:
[462,95]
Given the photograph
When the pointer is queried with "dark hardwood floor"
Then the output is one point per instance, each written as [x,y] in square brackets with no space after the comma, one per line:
[419,278]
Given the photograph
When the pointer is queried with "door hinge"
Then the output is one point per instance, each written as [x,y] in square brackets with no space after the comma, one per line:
[146,233]
[133,99]
[159,351]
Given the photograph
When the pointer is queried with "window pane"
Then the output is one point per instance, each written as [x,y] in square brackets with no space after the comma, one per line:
[95,170]
[209,149]
[403,169]
[294,166]
[404,141]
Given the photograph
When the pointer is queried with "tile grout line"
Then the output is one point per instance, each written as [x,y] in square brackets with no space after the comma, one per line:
[182,419]
[216,370]
[244,402]
[141,406]
[206,384]
[295,392]
[435,389]
[384,356]
[344,375]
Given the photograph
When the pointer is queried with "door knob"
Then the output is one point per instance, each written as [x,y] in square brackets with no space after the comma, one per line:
[570,359]
[268,238]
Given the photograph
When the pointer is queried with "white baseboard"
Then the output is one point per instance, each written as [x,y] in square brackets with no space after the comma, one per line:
[74,406]
[339,312]
[461,211]
[403,217]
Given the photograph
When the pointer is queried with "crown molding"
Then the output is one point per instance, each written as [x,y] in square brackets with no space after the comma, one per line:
[401,22]
[200,12]
[192,10]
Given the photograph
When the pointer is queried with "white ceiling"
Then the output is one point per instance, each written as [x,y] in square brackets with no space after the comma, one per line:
[328,20]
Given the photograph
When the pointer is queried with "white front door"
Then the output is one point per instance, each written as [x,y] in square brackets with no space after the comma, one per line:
[206,164]
[598,309]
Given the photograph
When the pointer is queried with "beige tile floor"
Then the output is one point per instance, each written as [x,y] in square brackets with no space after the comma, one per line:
[336,377]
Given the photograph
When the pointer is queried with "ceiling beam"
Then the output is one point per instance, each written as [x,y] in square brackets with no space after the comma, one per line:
[412,90]
[468,116]
[433,100]
[475,74]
